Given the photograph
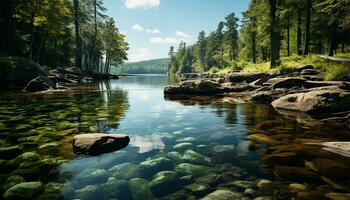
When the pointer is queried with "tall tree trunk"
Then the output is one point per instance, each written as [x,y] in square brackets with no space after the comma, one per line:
[7,26]
[92,55]
[288,34]
[78,55]
[254,46]
[333,40]
[307,27]
[299,32]
[274,34]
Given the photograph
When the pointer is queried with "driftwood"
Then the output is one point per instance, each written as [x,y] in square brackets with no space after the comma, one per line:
[334,58]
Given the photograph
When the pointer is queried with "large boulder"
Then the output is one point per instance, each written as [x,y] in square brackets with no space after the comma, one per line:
[315,102]
[223,195]
[18,72]
[194,87]
[247,77]
[98,143]
[25,190]
[288,83]
[40,84]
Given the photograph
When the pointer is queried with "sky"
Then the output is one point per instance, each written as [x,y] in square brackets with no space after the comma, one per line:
[152,26]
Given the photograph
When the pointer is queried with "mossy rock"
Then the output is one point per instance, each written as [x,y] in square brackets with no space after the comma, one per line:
[18,72]
[25,190]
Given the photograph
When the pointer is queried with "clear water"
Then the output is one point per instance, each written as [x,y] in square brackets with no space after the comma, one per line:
[44,124]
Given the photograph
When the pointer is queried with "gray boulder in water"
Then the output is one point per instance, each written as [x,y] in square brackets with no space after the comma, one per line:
[315,102]
[99,143]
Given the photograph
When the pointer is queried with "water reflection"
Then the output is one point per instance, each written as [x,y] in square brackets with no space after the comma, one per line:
[177,146]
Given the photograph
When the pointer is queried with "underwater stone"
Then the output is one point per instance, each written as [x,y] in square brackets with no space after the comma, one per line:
[196,158]
[192,169]
[26,190]
[12,181]
[163,183]
[295,173]
[263,139]
[249,192]
[223,148]
[28,156]
[90,176]
[10,152]
[197,188]
[116,188]
[149,167]
[175,156]
[297,187]
[338,196]
[89,192]
[242,185]
[140,189]
[187,139]
[98,143]
[125,171]
[182,146]
[222,195]
[264,185]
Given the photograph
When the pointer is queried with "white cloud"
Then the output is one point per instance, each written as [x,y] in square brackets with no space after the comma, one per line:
[154,31]
[179,36]
[167,40]
[145,4]
[137,28]
[182,34]
[139,54]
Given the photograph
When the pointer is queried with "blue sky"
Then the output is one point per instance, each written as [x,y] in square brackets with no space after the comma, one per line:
[152,26]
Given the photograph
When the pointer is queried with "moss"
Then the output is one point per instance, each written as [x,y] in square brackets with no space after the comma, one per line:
[331,70]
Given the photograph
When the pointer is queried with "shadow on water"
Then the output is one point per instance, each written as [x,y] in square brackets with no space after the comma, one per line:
[181,149]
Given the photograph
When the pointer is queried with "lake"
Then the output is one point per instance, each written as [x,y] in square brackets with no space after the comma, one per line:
[178,149]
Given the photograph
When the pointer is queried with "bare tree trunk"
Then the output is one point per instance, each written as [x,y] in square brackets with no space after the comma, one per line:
[77,35]
[7,26]
[274,34]
[299,32]
[333,40]
[254,46]
[288,34]
[307,27]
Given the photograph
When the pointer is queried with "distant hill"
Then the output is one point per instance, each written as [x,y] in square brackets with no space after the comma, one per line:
[155,66]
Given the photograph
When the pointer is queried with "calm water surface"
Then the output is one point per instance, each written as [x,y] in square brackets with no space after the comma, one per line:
[197,146]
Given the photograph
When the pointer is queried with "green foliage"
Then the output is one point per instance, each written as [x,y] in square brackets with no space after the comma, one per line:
[156,66]
[45,34]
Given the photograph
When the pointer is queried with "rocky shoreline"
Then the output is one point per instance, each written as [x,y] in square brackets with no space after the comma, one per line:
[303,90]
[18,74]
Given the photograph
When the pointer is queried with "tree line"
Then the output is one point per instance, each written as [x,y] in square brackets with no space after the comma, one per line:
[269,30]
[62,33]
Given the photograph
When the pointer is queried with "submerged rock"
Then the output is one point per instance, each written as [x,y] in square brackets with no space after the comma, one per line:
[182,146]
[89,192]
[25,190]
[175,156]
[125,171]
[222,195]
[163,183]
[263,139]
[192,169]
[297,187]
[197,188]
[10,152]
[196,158]
[315,102]
[295,173]
[140,189]
[149,167]
[194,87]
[116,188]
[98,143]
[92,176]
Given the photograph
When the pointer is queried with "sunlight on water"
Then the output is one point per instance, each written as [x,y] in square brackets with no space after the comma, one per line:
[178,149]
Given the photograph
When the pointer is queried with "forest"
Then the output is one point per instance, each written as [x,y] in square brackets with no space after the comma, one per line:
[270,33]
[61,33]
[154,66]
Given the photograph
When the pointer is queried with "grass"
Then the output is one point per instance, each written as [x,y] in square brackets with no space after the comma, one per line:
[331,70]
